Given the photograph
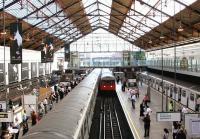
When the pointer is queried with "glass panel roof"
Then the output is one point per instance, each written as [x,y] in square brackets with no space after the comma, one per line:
[97,42]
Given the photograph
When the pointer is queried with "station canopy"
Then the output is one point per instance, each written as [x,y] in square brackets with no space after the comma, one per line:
[147,24]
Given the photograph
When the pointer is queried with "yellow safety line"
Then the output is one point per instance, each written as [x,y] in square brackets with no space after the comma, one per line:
[132,122]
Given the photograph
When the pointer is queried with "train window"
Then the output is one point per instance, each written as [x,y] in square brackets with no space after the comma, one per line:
[192,97]
[183,93]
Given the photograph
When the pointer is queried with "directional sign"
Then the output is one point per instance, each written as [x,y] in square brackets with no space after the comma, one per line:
[6,117]
[168,116]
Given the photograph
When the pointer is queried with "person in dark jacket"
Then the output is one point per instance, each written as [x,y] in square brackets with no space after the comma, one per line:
[142,109]
[181,134]
[147,122]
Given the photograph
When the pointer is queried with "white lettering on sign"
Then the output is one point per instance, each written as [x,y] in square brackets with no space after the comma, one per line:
[168,116]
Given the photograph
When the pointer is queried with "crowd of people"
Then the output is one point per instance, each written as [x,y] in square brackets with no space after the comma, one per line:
[56,95]
[178,130]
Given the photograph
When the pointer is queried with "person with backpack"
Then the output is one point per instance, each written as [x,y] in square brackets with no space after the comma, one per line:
[133,99]
[166,133]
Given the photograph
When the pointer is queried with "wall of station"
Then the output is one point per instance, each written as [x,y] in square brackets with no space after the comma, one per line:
[31,66]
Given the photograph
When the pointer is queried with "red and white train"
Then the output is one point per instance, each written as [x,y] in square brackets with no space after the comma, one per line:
[107,81]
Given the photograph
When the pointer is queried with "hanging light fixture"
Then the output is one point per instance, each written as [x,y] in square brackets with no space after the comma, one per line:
[180,28]
[162,36]
[150,41]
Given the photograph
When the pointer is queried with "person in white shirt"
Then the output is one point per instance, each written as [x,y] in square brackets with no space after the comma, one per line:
[133,99]
[45,102]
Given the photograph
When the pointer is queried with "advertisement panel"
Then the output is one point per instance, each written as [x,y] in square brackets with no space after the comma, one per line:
[16,43]
[12,73]
[1,73]
[67,52]
[25,69]
[33,70]
[49,49]
[168,116]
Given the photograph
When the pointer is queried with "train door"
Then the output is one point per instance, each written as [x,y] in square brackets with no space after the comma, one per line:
[156,87]
[166,88]
[192,102]
[179,94]
[197,108]
[184,97]
[175,94]
[160,86]
[171,91]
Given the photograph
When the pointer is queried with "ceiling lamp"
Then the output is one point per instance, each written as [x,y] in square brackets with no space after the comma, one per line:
[150,41]
[162,36]
[3,33]
[180,29]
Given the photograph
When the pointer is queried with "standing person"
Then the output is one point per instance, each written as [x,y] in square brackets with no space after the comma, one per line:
[16,126]
[142,109]
[34,118]
[147,122]
[175,129]
[45,102]
[133,99]
[145,100]
[181,134]
[166,133]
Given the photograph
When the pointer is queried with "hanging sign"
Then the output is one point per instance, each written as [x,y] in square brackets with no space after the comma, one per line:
[43,53]
[6,117]
[67,52]
[16,43]
[168,116]
[49,49]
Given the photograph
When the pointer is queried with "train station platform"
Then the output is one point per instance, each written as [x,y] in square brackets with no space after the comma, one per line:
[133,115]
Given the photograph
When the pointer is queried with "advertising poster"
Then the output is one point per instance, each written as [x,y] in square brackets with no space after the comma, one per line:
[41,69]
[24,74]
[16,43]
[43,53]
[49,49]
[67,52]
[1,73]
[12,73]
[33,70]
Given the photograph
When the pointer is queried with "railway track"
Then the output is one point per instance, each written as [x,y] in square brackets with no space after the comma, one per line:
[109,121]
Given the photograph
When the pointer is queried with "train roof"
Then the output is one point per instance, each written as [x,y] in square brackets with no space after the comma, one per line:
[64,120]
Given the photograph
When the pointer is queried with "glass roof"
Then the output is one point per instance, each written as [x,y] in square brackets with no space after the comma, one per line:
[143,16]
[97,42]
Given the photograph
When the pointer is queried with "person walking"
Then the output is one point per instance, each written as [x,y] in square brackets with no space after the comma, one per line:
[34,118]
[133,99]
[45,103]
[175,129]
[16,125]
[181,134]
[147,122]
[166,133]
[142,109]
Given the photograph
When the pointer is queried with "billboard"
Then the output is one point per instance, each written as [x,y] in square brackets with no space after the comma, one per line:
[16,43]
[33,70]
[1,73]
[49,49]
[43,53]
[41,69]
[67,52]
[25,69]
[12,73]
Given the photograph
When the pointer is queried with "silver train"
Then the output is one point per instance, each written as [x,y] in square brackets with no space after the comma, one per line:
[184,93]
[72,117]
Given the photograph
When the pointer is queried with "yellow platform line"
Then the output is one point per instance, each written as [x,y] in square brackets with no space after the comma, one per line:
[129,119]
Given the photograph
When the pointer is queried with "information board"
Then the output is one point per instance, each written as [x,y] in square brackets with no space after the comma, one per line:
[12,73]
[33,70]
[3,105]
[168,116]
[24,74]
[6,117]
[1,73]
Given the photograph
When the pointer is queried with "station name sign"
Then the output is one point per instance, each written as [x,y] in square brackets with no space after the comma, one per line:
[168,116]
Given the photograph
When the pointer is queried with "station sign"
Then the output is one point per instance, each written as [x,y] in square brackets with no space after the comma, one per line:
[6,117]
[168,116]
